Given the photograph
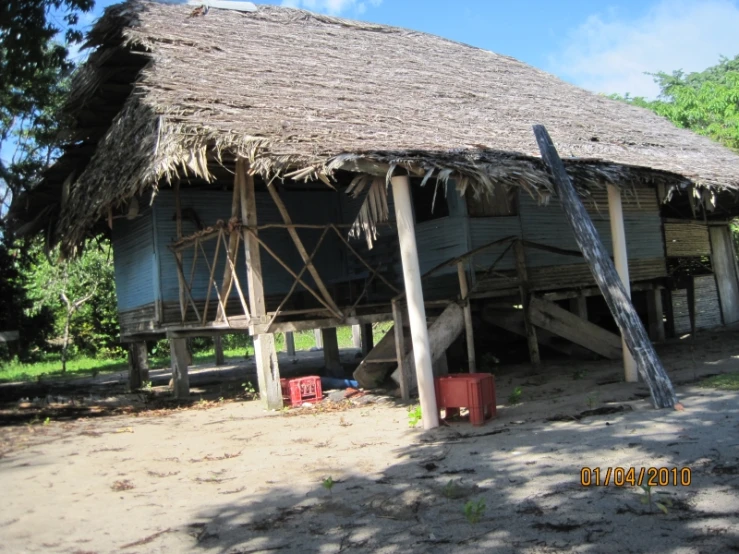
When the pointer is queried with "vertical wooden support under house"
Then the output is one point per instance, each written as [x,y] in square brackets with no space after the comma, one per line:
[138,365]
[331,358]
[523,287]
[621,261]
[414,295]
[268,369]
[179,357]
[469,330]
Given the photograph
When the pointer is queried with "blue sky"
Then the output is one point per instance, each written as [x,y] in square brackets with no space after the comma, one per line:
[604,46]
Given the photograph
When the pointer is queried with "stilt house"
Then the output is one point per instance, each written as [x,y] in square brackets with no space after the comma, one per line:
[254,170]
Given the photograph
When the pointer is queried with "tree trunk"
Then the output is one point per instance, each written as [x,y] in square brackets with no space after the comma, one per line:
[65,342]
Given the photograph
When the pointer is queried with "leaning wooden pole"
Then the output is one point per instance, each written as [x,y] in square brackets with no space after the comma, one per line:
[609,283]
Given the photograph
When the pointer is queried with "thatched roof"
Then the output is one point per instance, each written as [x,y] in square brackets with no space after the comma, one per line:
[304,95]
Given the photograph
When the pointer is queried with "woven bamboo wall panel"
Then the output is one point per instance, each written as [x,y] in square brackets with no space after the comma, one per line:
[579,275]
[572,276]
[680,311]
[687,239]
[638,199]
[707,308]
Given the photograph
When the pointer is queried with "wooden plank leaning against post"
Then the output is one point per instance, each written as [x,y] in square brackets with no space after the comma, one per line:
[609,283]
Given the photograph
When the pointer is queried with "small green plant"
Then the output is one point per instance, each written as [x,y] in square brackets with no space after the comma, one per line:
[414,416]
[249,391]
[579,374]
[651,499]
[450,489]
[47,421]
[146,386]
[474,511]
[515,396]
[328,484]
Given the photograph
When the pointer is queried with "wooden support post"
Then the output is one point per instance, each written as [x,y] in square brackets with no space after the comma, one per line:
[218,347]
[268,369]
[357,336]
[290,344]
[579,306]
[318,338]
[138,365]
[178,254]
[621,261]
[331,357]
[179,358]
[655,317]
[367,339]
[604,273]
[414,295]
[404,377]
[470,333]
[523,288]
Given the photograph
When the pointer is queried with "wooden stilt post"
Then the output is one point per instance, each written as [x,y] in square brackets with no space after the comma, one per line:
[357,336]
[268,370]
[579,306]
[331,356]
[178,254]
[414,294]
[179,357]
[218,347]
[523,288]
[318,338]
[621,261]
[655,317]
[290,344]
[367,338]
[470,334]
[604,272]
[138,365]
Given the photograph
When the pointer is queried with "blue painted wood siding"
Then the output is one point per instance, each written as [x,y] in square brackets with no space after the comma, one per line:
[134,261]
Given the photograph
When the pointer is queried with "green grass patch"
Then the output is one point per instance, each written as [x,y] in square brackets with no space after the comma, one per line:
[728,381]
[52,367]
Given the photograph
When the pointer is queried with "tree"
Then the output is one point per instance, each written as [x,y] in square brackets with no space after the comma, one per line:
[32,64]
[68,286]
[706,102]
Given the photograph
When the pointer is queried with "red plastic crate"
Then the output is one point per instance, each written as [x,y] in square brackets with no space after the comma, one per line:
[474,391]
[298,390]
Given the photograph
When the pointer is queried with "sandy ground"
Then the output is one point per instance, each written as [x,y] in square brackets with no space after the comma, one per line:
[227,477]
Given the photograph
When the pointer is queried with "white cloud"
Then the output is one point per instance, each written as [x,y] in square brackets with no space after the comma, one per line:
[333,7]
[610,54]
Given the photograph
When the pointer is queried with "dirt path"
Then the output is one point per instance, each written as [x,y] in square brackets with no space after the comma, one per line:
[230,478]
